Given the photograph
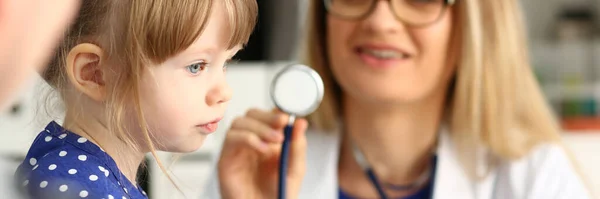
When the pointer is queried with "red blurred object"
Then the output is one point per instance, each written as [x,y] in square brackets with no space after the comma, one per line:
[583,124]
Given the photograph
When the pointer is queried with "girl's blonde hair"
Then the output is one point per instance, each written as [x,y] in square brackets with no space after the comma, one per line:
[134,34]
[494,99]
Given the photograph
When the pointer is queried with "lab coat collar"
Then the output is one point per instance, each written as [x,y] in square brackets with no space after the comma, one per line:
[451,180]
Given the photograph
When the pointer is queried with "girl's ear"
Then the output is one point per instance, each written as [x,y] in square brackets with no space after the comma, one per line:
[84,70]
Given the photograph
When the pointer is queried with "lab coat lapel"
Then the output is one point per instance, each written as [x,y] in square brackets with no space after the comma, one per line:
[450,179]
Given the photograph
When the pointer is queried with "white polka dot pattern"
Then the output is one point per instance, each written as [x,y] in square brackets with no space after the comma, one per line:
[63,188]
[72,167]
[82,140]
[93,177]
[83,194]
[43,184]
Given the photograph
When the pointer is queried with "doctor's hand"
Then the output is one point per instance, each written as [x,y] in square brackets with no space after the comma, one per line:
[249,162]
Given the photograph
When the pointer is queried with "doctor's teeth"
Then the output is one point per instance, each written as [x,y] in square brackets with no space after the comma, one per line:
[385,54]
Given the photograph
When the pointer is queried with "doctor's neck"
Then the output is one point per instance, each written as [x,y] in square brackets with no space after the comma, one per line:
[397,140]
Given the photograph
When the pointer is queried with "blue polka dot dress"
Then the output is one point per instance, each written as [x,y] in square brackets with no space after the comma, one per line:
[62,164]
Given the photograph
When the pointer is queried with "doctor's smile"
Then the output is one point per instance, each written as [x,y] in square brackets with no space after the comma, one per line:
[382,56]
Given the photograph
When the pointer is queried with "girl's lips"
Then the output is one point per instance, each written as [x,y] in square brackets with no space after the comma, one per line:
[211,126]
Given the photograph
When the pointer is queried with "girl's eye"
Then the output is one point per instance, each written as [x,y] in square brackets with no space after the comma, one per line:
[195,68]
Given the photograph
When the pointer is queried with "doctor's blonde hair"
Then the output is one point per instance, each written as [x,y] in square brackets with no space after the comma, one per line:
[133,35]
[494,100]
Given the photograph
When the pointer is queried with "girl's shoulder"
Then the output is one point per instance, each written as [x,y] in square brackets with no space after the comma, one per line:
[53,178]
[62,164]
[68,173]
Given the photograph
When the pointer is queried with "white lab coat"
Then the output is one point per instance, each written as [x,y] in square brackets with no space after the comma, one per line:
[545,173]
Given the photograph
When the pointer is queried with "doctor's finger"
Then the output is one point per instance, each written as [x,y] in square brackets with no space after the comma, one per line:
[246,139]
[275,120]
[255,126]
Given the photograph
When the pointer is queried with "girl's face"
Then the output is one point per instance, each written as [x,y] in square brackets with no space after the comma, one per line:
[381,59]
[184,97]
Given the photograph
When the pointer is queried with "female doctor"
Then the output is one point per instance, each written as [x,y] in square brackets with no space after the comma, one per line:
[436,95]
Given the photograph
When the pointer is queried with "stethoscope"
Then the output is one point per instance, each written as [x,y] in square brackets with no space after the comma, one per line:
[298,91]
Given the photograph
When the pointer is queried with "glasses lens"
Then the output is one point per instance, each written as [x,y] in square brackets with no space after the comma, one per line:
[418,11]
[349,8]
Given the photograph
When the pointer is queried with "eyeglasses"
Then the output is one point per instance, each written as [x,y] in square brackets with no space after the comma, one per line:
[414,13]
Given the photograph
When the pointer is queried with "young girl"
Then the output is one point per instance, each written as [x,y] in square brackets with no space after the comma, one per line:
[136,76]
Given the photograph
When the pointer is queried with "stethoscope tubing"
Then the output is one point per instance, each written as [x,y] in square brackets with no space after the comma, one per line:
[285,155]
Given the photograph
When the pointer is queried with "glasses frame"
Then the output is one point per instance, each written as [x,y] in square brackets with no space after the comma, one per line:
[447,4]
